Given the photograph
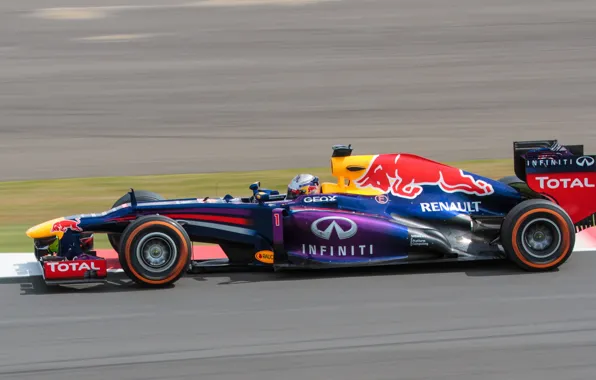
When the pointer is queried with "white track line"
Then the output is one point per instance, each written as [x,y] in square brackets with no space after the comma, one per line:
[92,13]
[116,37]
[15,265]
[23,265]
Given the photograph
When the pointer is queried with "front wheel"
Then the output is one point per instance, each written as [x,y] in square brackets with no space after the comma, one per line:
[538,235]
[141,196]
[155,251]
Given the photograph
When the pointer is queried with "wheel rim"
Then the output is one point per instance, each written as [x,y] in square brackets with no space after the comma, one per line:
[541,238]
[156,252]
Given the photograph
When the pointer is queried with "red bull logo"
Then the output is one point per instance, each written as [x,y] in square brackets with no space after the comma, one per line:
[65,225]
[404,175]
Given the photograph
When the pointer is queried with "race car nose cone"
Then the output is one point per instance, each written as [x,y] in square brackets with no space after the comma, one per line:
[43,230]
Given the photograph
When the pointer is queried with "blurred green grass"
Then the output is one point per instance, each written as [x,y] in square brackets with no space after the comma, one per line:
[26,203]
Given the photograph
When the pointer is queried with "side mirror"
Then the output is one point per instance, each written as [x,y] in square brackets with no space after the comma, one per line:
[262,197]
[255,186]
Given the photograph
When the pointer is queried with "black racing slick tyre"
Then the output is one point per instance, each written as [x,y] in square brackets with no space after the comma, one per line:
[538,235]
[141,196]
[155,251]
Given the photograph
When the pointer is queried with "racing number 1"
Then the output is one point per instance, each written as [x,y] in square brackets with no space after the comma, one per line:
[276,220]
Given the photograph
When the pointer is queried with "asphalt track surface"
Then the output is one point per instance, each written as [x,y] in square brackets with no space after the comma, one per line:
[461,322]
[166,86]
[181,88]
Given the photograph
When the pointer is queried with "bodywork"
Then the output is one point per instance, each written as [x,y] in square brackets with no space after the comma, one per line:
[383,209]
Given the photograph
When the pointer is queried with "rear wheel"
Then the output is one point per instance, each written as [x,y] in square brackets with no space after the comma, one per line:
[141,196]
[155,251]
[538,235]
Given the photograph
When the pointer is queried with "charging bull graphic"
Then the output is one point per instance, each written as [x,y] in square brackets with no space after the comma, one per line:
[64,225]
[403,175]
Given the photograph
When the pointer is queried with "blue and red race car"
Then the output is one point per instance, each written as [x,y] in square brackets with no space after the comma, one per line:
[384,209]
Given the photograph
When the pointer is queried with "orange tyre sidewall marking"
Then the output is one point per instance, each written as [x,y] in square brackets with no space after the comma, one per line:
[183,251]
[564,238]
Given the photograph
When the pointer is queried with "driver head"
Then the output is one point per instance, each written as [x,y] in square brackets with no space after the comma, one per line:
[303,184]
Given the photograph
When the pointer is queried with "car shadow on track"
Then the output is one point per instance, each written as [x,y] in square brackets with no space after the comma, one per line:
[118,282]
[470,269]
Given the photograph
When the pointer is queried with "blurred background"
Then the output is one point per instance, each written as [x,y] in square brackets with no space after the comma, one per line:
[121,88]
[132,87]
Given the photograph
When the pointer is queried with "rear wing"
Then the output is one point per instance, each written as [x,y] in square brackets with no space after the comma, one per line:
[522,148]
[562,173]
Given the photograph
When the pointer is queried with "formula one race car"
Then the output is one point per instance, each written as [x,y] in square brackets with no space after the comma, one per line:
[384,209]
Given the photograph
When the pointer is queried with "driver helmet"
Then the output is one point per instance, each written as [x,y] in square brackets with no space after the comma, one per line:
[303,184]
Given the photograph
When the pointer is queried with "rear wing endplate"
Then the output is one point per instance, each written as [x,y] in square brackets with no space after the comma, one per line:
[562,173]
[521,148]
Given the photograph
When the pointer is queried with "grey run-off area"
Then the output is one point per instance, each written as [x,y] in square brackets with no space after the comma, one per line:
[129,87]
[451,322]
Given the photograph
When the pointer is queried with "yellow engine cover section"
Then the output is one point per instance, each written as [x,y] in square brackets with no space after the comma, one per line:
[349,169]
